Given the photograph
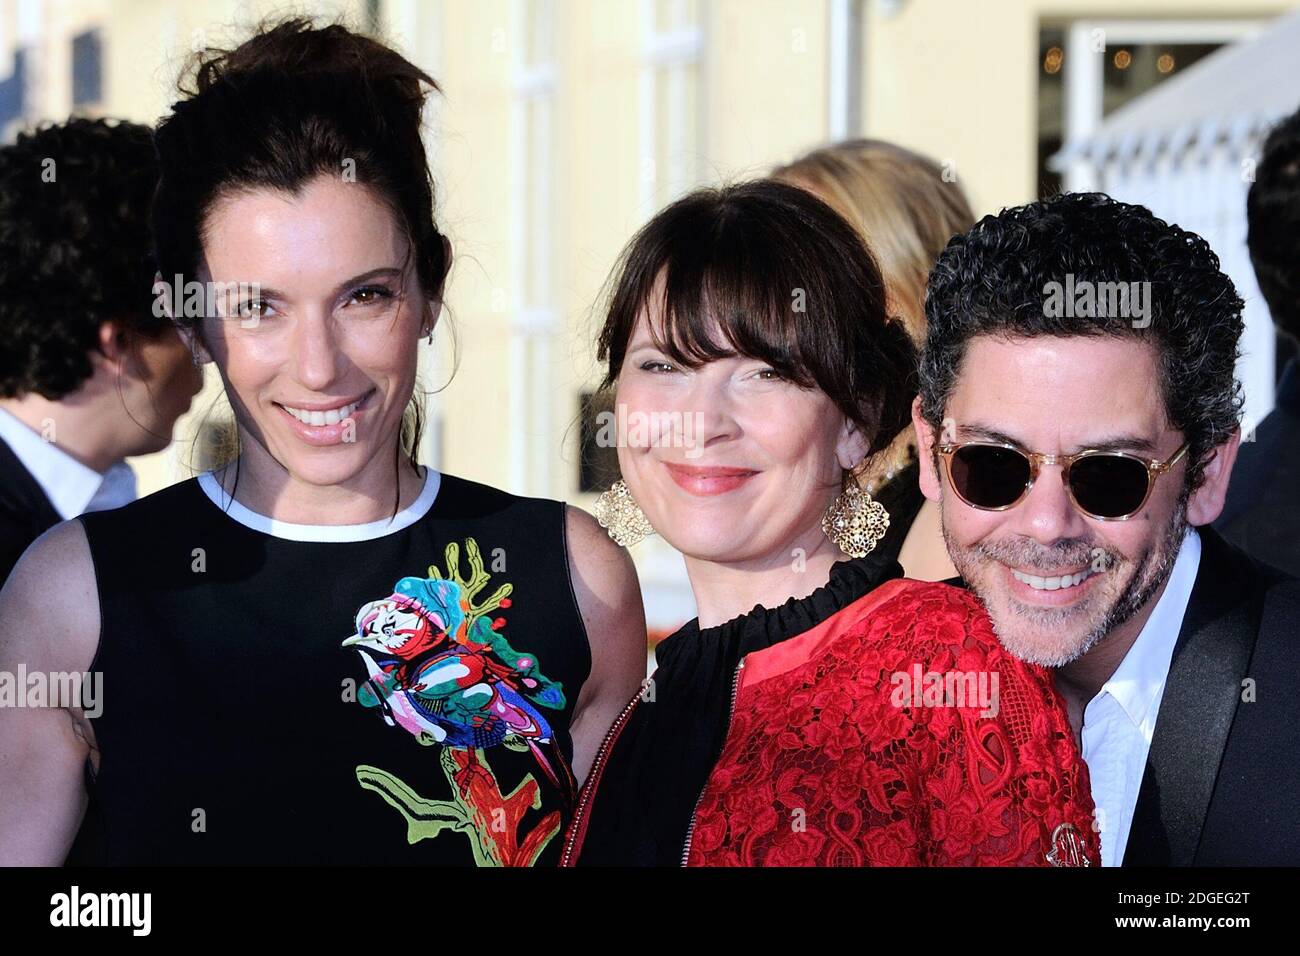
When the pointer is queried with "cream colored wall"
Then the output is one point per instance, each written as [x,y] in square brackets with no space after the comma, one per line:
[600,165]
[764,91]
[768,75]
[472,173]
[954,79]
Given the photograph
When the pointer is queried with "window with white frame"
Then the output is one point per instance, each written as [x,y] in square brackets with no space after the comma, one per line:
[845,24]
[533,241]
[1090,68]
[672,79]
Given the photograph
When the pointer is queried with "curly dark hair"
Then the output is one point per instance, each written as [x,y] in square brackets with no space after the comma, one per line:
[1273,217]
[994,281]
[74,249]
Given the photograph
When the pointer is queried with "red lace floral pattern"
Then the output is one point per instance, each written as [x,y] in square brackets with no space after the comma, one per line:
[828,765]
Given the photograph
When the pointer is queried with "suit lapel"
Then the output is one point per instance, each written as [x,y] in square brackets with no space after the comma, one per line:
[21,493]
[1200,699]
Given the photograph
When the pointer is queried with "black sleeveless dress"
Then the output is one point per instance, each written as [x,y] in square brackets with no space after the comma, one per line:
[393,692]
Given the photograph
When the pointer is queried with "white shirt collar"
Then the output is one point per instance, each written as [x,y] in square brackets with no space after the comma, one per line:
[73,488]
[1139,682]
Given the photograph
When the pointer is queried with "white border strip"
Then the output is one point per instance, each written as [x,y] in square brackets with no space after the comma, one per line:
[323,532]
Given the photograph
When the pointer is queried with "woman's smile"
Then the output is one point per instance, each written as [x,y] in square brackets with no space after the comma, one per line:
[325,423]
[708,479]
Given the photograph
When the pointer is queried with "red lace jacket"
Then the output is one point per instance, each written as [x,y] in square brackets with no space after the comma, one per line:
[897,732]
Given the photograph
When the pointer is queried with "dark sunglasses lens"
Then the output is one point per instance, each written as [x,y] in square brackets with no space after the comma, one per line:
[1108,486]
[989,477]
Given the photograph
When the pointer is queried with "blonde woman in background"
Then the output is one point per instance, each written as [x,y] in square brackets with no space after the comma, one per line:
[907,209]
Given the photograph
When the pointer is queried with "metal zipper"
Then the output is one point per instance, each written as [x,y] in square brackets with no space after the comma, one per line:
[593,777]
[731,713]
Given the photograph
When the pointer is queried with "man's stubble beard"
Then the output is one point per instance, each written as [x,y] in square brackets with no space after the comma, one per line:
[1149,576]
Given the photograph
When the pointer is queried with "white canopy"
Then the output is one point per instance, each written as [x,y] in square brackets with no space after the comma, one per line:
[1232,94]
[1187,149]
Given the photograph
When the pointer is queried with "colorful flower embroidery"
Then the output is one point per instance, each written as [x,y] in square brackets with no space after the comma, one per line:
[438,666]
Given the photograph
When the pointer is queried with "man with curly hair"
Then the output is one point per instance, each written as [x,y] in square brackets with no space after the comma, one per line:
[1079,418]
[1260,515]
[89,375]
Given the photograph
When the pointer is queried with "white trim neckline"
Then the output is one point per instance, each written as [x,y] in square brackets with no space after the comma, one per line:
[323,532]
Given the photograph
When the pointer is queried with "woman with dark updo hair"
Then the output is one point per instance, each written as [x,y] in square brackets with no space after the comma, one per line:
[822,710]
[322,651]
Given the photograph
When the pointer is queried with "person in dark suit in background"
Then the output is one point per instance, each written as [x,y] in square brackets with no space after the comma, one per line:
[89,374]
[1261,515]
[1080,443]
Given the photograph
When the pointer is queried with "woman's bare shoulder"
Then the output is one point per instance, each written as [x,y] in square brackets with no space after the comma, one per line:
[49,606]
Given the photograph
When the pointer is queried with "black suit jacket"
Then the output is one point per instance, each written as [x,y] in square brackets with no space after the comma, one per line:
[1222,781]
[1260,515]
[25,510]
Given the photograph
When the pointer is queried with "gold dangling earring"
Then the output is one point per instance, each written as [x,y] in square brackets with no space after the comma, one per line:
[620,515]
[855,521]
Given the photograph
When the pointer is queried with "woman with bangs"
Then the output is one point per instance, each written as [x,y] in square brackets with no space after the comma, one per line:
[822,709]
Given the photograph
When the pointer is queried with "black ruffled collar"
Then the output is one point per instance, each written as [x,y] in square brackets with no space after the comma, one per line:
[667,748]
[762,627]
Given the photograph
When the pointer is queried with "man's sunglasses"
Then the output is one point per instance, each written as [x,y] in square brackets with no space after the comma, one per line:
[1106,485]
